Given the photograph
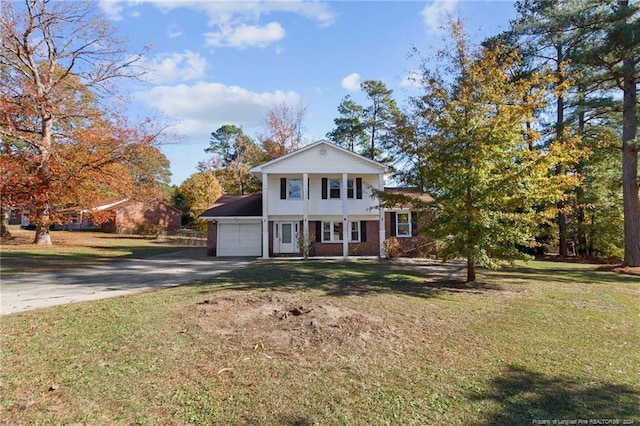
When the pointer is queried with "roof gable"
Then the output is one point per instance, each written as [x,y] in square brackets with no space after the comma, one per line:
[320,157]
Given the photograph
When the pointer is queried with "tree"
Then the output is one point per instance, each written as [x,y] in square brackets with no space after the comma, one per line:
[350,128]
[377,118]
[235,154]
[598,229]
[197,193]
[283,130]
[12,183]
[59,62]
[546,35]
[605,50]
[106,159]
[612,50]
[475,156]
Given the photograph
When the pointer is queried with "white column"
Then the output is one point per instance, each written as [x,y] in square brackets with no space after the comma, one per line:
[345,218]
[265,216]
[381,222]
[305,208]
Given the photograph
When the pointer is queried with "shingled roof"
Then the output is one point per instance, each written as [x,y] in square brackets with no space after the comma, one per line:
[407,194]
[235,206]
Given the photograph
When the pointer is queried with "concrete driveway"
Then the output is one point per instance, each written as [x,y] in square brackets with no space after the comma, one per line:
[19,293]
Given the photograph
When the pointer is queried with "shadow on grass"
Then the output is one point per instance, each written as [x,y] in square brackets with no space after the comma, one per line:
[52,260]
[527,398]
[338,278]
[551,273]
[140,252]
[294,420]
[18,262]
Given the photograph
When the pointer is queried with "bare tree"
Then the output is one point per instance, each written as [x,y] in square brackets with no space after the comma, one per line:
[283,129]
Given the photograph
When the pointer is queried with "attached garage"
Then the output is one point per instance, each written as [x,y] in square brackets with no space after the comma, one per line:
[239,239]
[235,226]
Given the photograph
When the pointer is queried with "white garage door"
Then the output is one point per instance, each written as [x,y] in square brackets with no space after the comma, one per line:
[239,239]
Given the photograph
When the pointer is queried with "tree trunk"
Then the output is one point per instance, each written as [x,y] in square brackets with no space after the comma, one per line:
[563,250]
[562,219]
[43,236]
[582,227]
[4,223]
[630,167]
[43,208]
[471,270]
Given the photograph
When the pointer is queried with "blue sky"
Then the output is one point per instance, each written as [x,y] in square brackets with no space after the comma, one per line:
[213,63]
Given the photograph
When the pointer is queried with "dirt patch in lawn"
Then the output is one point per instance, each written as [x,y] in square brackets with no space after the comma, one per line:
[286,321]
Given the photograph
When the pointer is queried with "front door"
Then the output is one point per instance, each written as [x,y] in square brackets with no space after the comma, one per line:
[285,237]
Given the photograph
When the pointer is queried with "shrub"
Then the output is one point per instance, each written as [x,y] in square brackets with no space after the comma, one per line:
[392,248]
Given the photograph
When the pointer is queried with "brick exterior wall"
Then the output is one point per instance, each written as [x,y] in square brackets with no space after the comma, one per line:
[132,216]
[212,238]
[414,246]
[370,247]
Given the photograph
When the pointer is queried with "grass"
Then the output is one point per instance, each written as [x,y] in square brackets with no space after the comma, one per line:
[371,343]
[72,250]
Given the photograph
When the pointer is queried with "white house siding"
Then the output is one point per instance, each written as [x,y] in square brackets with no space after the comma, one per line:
[333,161]
[311,164]
[317,205]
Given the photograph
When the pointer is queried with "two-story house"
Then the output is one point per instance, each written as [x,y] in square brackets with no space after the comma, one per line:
[319,197]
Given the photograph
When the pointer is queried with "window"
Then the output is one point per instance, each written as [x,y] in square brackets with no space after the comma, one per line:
[349,188]
[355,231]
[331,232]
[334,188]
[354,188]
[290,189]
[294,189]
[403,225]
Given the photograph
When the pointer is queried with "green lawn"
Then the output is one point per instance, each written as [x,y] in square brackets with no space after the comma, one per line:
[323,342]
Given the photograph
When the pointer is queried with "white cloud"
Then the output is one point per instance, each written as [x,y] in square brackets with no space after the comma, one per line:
[413,79]
[225,12]
[112,9]
[235,23]
[171,67]
[351,82]
[433,13]
[201,108]
[243,36]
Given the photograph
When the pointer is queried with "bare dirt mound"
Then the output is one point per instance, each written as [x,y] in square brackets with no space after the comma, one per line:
[289,321]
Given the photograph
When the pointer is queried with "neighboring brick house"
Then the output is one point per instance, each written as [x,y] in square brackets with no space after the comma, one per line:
[320,196]
[128,216]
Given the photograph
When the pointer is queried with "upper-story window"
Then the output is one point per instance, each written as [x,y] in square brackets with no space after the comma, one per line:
[332,188]
[294,189]
[290,189]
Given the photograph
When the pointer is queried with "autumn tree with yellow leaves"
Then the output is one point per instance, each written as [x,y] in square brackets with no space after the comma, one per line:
[473,149]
